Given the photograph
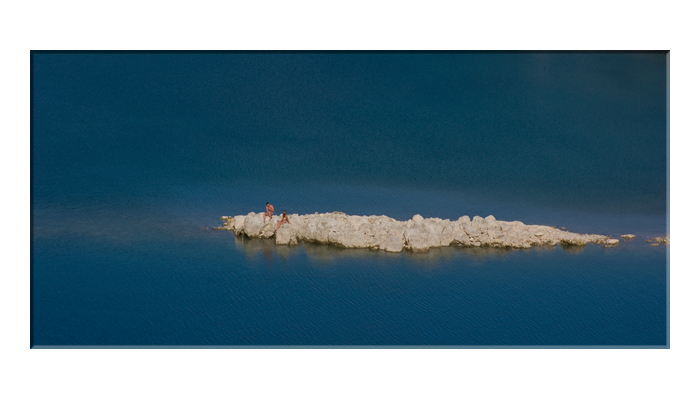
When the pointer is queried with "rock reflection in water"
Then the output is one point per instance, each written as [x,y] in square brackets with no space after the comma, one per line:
[323,254]
[573,249]
[265,248]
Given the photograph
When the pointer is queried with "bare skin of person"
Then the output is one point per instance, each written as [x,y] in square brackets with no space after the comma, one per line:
[269,212]
[284,220]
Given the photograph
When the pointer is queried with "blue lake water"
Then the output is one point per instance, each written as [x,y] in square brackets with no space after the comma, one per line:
[135,156]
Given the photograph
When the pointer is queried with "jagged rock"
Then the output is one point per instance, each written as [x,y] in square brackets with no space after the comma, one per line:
[237,223]
[573,239]
[418,238]
[464,220]
[663,239]
[285,235]
[268,229]
[460,236]
[628,236]
[417,234]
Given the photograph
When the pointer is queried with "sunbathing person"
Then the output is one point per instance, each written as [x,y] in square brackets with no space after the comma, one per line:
[284,220]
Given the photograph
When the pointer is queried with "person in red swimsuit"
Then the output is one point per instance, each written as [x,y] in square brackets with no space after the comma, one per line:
[269,211]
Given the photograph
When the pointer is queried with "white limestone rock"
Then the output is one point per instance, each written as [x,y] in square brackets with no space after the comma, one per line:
[286,235]
[237,223]
[417,234]
[460,236]
[268,229]
[417,238]
[253,224]
[350,239]
[392,244]
[464,220]
[663,239]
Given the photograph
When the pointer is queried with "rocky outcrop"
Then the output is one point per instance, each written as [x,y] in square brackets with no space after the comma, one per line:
[417,234]
[663,239]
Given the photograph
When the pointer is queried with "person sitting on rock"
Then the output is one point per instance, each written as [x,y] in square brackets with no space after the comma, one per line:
[269,211]
[284,220]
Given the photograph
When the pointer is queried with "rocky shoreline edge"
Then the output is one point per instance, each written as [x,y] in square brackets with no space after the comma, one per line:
[417,234]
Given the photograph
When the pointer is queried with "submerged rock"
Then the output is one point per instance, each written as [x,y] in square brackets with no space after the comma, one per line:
[417,234]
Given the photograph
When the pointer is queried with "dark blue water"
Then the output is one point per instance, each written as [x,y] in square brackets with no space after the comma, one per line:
[135,156]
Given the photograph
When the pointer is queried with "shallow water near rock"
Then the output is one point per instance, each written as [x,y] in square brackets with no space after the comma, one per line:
[128,182]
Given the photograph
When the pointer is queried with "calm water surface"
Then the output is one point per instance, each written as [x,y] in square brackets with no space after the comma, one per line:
[136,156]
